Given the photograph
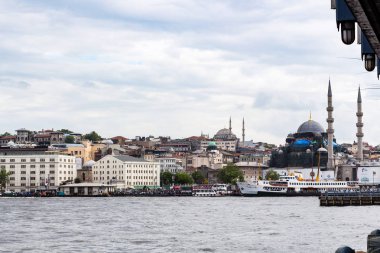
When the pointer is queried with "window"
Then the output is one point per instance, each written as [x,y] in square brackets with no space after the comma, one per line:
[42,160]
[2,160]
[23,178]
[23,172]
[12,160]
[32,178]
[23,160]
[32,160]
[32,166]
[42,172]
[52,166]
[12,166]
[23,166]
[52,172]
[42,166]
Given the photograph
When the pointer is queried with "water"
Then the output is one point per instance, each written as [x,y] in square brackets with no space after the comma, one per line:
[181,224]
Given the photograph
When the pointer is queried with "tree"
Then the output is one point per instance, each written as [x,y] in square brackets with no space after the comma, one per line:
[66,131]
[4,178]
[77,180]
[272,175]
[198,177]
[93,136]
[69,139]
[183,178]
[6,134]
[166,178]
[230,174]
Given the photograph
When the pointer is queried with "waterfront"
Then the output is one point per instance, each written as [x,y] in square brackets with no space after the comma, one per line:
[229,224]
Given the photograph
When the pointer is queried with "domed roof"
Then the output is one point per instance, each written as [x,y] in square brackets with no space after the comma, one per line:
[225,134]
[223,131]
[212,143]
[310,126]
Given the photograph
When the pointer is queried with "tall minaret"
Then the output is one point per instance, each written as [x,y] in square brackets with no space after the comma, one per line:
[330,129]
[230,125]
[359,126]
[243,135]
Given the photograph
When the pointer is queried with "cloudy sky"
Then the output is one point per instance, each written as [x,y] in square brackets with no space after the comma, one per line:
[174,67]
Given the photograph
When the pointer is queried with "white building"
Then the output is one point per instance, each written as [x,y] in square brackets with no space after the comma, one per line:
[126,171]
[169,164]
[38,171]
[228,145]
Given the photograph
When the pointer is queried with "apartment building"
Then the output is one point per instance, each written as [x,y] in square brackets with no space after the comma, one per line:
[30,172]
[126,171]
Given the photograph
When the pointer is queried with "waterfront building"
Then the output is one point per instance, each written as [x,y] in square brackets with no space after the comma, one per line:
[31,171]
[86,189]
[5,140]
[168,164]
[23,136]
[126,171]
[251,170]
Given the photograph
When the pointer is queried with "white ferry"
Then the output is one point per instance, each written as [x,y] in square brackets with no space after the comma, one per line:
[292,186]
[205,193]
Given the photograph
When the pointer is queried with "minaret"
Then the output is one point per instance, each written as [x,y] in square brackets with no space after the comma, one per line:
[359,126]
[330,129]
[243,135]
[230,125]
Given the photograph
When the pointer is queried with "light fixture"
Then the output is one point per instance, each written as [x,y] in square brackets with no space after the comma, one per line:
[368,54]
[346,21]
[348,32]
[369,62]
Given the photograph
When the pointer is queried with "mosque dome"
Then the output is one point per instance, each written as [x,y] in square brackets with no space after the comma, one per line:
[310,126]
[225,134]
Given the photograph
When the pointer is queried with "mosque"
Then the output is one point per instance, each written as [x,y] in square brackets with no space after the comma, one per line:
[313,146]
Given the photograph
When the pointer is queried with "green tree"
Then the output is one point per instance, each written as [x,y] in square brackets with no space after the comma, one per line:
[77,180]
[230,174]
[4,178]
[183,178]
[166,178]
[65,131]
[272,175]
[6,134]
[69,139]
[93,136]
[198,177]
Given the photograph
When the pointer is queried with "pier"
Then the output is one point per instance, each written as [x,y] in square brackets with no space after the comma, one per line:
[349,199]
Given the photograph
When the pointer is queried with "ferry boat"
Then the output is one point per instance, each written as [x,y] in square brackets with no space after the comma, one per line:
[292,186]
[205,193]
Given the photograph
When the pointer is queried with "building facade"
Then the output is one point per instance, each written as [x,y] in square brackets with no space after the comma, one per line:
[126,171]
[31,172]
[169,164]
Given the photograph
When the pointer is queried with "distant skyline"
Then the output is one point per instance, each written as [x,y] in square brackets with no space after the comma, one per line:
[179,67]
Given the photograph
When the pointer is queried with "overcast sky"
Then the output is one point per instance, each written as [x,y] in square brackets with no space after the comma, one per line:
[179,67]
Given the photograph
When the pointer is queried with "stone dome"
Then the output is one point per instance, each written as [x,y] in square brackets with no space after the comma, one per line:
[225,134]
[310,126]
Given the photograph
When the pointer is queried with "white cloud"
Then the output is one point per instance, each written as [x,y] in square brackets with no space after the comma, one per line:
[178,67]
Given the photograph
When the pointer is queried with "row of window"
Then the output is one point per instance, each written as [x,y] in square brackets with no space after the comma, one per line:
[31,178]
[127,171]
[32,166]
[23,160]
[31,184]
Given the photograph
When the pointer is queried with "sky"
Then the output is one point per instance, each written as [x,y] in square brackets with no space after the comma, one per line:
[178,68]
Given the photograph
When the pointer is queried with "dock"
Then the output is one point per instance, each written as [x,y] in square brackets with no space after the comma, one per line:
[349,199]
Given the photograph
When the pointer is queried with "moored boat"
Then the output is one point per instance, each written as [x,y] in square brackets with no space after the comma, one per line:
[292,186]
